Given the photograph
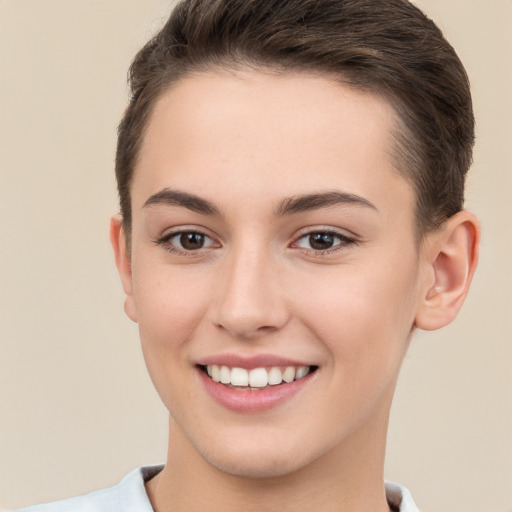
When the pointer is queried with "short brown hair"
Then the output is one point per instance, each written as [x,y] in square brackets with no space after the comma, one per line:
[387,47]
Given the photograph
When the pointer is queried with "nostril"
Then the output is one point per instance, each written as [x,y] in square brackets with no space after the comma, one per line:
[267,328]
[247,331]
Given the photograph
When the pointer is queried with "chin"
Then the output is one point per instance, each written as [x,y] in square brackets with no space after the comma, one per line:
[255,460]
[260,468]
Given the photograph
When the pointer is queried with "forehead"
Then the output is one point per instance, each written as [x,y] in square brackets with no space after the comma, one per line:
[267,132]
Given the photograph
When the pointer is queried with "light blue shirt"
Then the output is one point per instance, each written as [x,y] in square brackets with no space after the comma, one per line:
[129,495]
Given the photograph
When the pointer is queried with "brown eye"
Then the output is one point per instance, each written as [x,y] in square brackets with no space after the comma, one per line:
[191,241]
[321,241]
[187,241]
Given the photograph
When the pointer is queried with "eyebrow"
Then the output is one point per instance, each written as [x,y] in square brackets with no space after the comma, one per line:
[298,204]
[289,206]
[192,202]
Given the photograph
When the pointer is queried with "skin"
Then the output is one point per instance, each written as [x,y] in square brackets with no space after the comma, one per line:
[248,143]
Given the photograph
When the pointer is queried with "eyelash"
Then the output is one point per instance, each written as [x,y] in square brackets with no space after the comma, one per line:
[166,242]
[343,241]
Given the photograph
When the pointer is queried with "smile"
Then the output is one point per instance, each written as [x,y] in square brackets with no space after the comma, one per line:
[256,379]
[254,385]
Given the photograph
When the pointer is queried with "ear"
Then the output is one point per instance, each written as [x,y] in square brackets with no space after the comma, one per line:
[123,263]
[451,259]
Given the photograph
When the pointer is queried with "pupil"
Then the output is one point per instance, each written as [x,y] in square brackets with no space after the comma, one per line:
[321,241]
[191,241]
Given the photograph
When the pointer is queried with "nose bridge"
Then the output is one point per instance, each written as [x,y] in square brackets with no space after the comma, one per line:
[250,301]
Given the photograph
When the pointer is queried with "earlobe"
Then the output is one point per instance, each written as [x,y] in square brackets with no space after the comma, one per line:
[452,255]
[123,263]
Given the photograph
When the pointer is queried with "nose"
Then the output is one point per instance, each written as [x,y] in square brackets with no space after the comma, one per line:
[251,302]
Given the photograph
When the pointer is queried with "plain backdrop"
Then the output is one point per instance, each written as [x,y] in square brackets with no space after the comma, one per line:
[77,410]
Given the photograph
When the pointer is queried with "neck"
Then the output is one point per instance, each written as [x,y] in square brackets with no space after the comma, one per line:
[348,478]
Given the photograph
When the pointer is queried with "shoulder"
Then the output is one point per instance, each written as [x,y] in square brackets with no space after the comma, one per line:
[400,498]
[129,495]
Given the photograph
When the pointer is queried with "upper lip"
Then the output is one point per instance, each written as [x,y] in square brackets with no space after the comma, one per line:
[249,362]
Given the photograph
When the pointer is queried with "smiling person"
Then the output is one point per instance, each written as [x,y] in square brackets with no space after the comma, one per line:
[291,177]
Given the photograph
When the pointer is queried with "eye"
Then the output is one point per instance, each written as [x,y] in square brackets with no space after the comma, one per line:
[322,241]
[186,241]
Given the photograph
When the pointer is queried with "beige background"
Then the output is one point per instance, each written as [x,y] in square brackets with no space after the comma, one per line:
[77,410]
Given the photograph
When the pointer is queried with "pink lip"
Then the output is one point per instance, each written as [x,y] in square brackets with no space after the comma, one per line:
[246,401]
[250,362]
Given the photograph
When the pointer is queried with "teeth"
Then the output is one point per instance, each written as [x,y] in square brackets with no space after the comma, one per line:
[275,376]
[257,377]
[239,377]
[225,375]
[289,374]
[302,371]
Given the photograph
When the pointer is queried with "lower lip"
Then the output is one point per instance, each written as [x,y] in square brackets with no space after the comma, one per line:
[240,400]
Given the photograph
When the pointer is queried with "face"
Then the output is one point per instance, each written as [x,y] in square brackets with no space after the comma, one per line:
[273,250]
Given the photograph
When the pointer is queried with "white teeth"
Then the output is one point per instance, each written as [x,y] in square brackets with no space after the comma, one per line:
[216,373]
[225,375]
[289,374]
[257,377]
[302,371]
[239,377]
[275,376]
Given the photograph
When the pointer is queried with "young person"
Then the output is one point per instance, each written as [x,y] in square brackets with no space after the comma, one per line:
[291,178]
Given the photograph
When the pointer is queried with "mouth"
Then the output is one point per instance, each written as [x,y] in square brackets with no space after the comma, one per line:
[256,379]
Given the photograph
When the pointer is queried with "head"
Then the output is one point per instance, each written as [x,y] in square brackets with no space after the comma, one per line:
[387,47]
[278,164]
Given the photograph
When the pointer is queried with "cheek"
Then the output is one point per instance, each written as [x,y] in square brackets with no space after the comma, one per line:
[362,315]
[364,324]
[171,305]
[168,299]
[170,309]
